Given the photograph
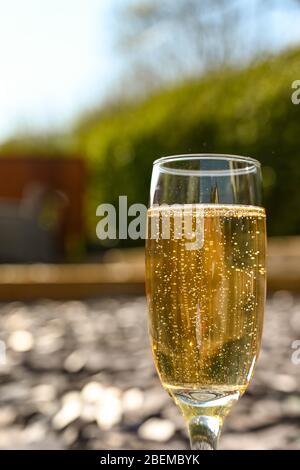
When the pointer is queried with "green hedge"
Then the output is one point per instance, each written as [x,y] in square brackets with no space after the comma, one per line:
[247,112]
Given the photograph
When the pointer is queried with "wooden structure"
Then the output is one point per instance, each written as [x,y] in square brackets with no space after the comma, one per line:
[123,272]
[55,175]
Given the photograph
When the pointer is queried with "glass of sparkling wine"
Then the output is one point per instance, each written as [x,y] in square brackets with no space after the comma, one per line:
[205,280]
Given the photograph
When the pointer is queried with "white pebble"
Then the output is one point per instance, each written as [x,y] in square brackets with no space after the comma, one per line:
[284,383]
[92,392]
[75,361]
[69,412]
[109,409]
[133,400]
[21,341]
[159,430]
[44,392]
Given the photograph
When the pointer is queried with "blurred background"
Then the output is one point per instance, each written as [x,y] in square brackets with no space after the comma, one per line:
[91,93]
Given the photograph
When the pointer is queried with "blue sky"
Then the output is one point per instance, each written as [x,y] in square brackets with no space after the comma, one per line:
[57,57]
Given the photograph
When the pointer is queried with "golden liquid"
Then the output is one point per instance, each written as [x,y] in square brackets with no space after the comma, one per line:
[206,304]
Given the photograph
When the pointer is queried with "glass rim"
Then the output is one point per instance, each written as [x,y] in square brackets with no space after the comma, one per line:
[252,162]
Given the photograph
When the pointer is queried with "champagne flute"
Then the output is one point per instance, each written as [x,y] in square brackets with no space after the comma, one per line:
[206,283]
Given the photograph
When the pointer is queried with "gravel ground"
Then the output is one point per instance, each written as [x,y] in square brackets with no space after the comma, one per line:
[80,375]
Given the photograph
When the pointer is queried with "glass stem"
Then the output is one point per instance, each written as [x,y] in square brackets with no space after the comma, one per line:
[204,432]
[204,412]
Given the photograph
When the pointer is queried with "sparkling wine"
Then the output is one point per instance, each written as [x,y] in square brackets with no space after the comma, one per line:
[206,299]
